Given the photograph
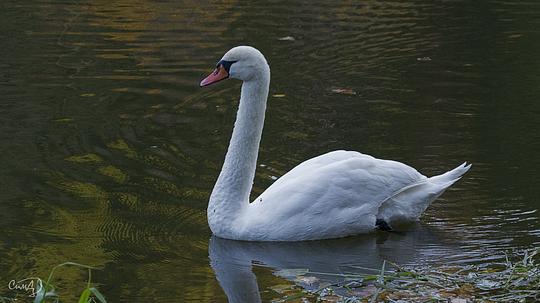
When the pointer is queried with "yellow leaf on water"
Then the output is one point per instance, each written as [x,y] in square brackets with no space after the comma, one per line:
[157,106]
[278,95]
[88,95]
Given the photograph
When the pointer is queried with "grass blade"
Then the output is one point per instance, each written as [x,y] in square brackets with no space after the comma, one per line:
[381,275]
[98,295]
[85,296]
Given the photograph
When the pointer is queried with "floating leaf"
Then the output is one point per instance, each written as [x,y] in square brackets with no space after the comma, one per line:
[344,91]
[126,116]
[514,36]
[278,95]
[486,284]
[281,288]
[158,106]
[295,135]
[286,38]
[291,273]
[307,280]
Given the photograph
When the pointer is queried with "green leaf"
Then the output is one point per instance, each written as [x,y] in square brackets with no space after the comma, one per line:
[85,296]
[98,295]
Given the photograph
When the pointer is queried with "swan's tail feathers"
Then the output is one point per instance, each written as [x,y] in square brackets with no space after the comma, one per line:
[451,176]
[410,202]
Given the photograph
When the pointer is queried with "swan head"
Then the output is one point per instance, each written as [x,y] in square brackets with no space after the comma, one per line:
[242,62]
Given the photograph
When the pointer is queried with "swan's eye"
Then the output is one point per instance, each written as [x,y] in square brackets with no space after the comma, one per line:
[226,64]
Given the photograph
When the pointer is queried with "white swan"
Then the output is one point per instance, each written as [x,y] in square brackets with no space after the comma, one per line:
[333,195]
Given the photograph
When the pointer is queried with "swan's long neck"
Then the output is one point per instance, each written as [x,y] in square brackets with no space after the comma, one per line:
[233,187]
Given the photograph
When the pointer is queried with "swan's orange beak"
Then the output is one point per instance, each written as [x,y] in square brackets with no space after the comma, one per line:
[217,75]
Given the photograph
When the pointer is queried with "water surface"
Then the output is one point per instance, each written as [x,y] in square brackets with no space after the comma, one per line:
[110,149]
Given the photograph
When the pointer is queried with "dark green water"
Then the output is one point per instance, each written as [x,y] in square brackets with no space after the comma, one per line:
[109,149]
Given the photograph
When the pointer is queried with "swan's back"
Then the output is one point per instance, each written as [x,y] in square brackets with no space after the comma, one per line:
[332,195]
[343,161]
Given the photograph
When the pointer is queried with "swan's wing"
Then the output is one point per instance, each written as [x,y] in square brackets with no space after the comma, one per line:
[334,194]
[368,176]
[315,163]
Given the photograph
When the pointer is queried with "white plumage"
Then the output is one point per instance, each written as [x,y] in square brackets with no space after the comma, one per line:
[337,194]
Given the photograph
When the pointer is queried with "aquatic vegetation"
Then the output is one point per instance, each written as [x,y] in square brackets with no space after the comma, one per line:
[46,291]
[517,279]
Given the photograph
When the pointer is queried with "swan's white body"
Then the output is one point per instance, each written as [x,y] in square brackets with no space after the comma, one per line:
[337,194]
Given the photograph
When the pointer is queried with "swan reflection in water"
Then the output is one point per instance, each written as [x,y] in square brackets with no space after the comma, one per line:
[327,260]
